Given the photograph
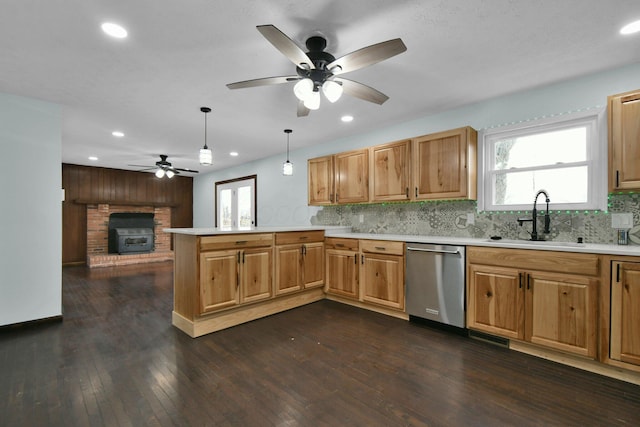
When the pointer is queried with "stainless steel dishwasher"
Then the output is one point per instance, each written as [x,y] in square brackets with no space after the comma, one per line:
[435,283]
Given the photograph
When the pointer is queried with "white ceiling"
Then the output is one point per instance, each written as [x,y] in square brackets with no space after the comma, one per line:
[180,55]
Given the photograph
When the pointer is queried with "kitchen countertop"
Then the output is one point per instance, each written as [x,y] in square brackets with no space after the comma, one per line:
[345,232]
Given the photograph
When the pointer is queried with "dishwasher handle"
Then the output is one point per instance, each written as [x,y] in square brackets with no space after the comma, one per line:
[439,251]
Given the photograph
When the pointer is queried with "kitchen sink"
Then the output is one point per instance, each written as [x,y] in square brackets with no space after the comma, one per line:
[538,242]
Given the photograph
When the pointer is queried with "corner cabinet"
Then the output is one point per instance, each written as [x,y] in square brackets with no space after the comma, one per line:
[542,297]
[624,141]
[444,165]
[625,312]
[299,261]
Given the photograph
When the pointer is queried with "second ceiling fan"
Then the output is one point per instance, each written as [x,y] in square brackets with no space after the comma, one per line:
[317,70]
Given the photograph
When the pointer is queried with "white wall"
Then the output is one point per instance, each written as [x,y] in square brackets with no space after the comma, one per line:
[31,213]
[283,200]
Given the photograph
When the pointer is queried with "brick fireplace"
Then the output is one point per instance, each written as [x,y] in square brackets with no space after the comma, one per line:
[98,236]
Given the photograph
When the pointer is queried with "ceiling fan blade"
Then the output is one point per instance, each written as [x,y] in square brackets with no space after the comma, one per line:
[367,56]
[361,91]
[184,170]
[263,82]
[143,166]
[285,45]
[302,110]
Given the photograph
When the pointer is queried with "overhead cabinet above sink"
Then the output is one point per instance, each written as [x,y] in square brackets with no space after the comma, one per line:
[429,167]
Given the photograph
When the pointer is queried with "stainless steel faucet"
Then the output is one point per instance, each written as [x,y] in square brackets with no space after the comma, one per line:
[534,219]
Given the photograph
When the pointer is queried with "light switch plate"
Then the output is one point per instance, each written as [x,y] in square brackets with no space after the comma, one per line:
[471,219]
[622,220]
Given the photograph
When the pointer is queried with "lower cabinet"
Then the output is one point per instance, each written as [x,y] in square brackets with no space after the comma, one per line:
[555,306]
[625,312]
[342,267]
[299,261]
[234,276]
[382,273]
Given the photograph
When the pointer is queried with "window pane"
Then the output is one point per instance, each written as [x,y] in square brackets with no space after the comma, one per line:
[225,208]
[244,207]
[566,185]
[549,148]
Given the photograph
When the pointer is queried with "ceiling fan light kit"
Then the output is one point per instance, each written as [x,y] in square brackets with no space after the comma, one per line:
[317,69]
[206,155]
[287,167]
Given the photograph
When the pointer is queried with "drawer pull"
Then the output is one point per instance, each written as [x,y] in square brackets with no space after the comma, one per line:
[304,237]
[340,245]
[381,248]
[241,242]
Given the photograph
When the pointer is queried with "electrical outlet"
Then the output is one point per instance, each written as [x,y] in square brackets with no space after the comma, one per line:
[622,220]
[361,218]
[471,218]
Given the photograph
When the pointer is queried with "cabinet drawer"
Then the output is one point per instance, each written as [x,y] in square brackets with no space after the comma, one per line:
[341,243]
[291,237]
[232,241]
[382,247]
[551,261]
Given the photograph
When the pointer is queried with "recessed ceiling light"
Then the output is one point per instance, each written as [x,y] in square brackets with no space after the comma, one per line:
[631,28]
[117,134]
[347,119]
[93,158]
[233,153]
[114,30]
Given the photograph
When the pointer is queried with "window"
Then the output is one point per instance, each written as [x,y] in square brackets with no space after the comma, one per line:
[236,203]
[565,155]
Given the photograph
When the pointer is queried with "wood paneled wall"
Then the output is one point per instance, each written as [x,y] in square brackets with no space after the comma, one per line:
[101,185]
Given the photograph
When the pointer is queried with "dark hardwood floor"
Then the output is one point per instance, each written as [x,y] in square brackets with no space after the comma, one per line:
[116,360]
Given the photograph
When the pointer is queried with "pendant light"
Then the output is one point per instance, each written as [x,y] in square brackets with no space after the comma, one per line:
[287,167]
[206,156]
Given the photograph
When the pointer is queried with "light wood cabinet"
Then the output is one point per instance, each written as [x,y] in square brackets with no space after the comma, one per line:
[320,181]
[624,141]
[390,167]
[342,267]
[299,261]
[625,312]
[230,277]
[543,297]
[444,165]
[382,266]
[352,176]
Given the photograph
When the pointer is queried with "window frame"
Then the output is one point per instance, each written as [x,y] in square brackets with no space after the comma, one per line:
[597,159]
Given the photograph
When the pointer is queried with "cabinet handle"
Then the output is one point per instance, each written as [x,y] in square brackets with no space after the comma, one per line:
[519,280]
[337,197]
[407,192]
[528,281]
[617,273]
[355,259]
[304,250]
[331,197]
[340,245]
[238,257]
[416,191]
[241,242]
[381,248]
[617,178]
[243,257]
[362,259]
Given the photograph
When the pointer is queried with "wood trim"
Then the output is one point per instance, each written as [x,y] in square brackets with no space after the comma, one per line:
[123,203]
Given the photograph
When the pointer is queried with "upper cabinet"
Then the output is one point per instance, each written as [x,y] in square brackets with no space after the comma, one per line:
[390,171]
[320,180]
[437,166]
[624,141]
[352,176]
[444,165]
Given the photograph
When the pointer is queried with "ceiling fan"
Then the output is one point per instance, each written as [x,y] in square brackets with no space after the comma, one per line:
[318,70]
[164,168]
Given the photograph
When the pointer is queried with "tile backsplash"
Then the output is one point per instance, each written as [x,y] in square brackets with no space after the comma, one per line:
[451,218]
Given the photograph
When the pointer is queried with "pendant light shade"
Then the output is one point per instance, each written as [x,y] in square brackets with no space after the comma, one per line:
[287,167]
[206,155]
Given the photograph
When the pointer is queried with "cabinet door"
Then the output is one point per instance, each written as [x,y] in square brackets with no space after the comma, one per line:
[496,301]
[342,273]
[320,180]
[390,169]
[288,269]
[352,176]
[625,312]
[444,165]
[312,265]
[218,280]
[382,280]
[255,275]
[624,134]
[562,312]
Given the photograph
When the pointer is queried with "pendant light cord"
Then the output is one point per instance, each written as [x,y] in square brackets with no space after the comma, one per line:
[288,132]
